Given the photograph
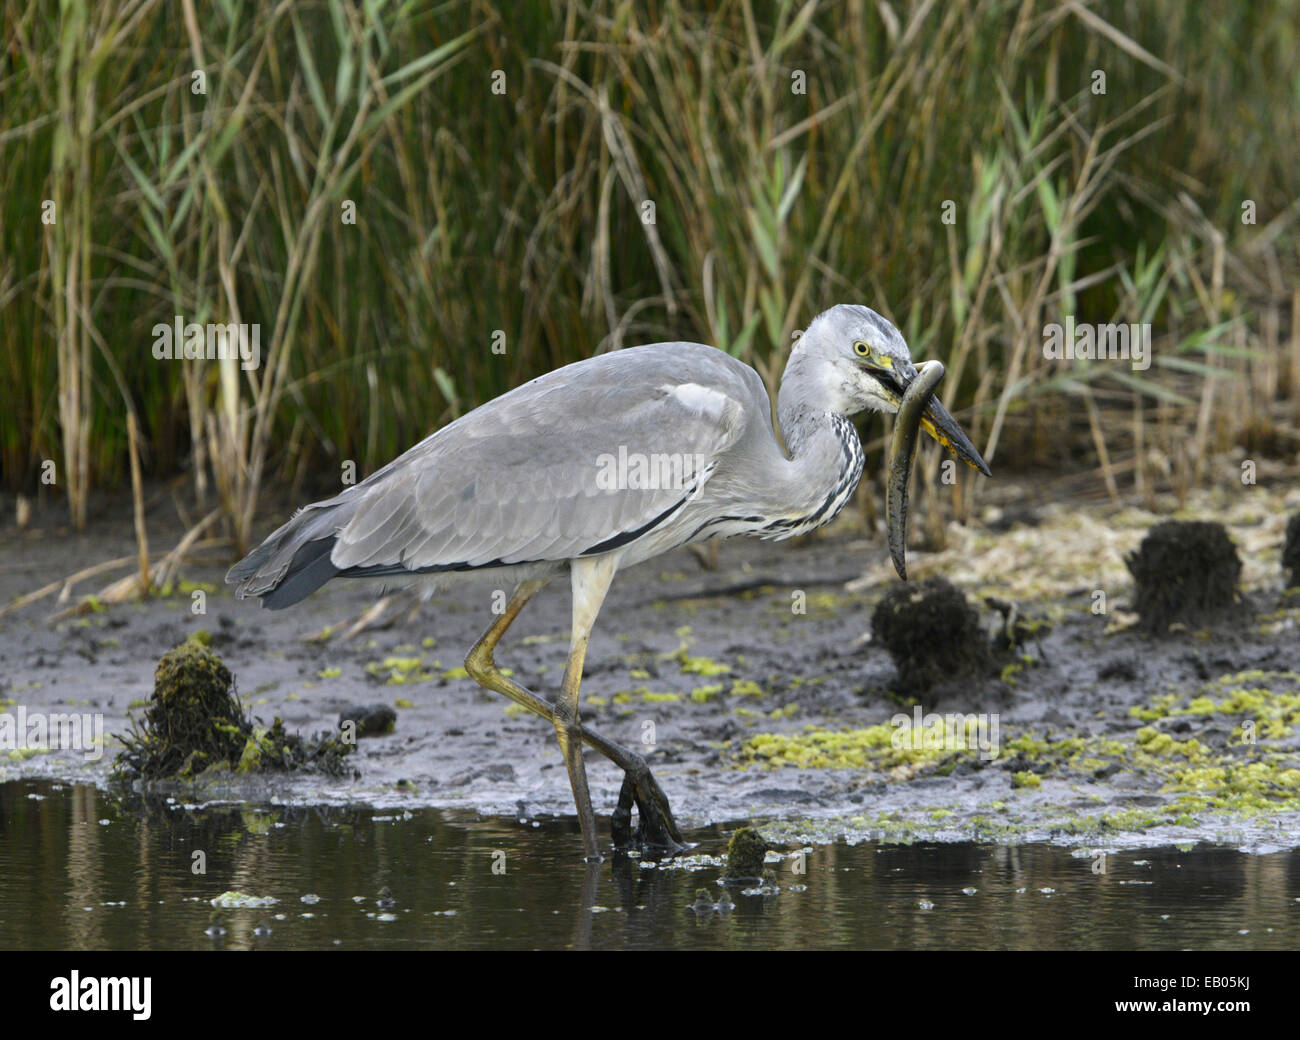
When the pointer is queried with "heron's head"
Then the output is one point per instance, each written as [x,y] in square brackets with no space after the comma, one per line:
[861,362]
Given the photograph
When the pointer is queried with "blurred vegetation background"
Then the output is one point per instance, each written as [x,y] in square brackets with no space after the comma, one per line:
[796,155]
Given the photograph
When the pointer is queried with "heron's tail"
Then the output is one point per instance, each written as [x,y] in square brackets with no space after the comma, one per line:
[294,561]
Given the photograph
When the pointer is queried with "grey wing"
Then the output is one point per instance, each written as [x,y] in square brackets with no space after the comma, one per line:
[553,470]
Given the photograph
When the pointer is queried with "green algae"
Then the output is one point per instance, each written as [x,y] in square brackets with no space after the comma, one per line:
[241,900]
[872,747]
[746,853]
[1269,699]
[194,723]
[746,688]
[397,670]
[703,666]
[690,665]
[1011,671]
[1195,778]
[186,588]
[704,694]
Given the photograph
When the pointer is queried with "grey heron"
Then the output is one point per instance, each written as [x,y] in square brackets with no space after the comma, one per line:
[605,463]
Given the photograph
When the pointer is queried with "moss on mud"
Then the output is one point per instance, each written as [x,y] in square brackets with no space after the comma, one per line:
[745,855]
[194,723]
[1222,751]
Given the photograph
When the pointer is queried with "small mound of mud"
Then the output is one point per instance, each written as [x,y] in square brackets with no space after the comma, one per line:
[932,633]
[1185,571]
[1291,551]
[745,856]
[196,723]
[368,720]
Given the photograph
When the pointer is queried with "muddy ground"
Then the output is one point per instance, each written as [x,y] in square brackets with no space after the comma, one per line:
[1107,738]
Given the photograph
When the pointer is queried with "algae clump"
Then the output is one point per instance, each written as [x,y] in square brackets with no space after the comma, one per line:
[193,719]
[194,722]
[745,855]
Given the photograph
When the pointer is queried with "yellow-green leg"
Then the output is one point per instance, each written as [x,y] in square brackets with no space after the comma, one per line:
[590,583]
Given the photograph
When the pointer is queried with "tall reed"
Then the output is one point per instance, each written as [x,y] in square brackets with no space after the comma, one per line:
[563,178]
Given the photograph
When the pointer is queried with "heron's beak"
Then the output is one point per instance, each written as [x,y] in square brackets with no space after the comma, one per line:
[918,409]
[939,424]
[935,420]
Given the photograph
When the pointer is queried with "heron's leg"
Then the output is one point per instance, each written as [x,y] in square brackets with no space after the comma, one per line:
[483,669]
[590,580]
[658,827]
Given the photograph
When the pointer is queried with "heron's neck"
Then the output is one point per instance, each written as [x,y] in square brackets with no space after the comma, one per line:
[824,446]
[825,453]
[825,466]
[806,432]
[805,408]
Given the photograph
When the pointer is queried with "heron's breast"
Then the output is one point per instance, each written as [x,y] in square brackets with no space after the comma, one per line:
[789,524]
[837,495]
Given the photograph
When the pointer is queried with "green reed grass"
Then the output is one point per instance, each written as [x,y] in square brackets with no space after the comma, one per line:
[525,213]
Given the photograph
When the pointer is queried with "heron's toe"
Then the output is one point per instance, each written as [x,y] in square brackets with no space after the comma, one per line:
[656,830]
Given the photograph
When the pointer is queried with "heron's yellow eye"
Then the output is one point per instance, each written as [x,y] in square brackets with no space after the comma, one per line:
[861,348]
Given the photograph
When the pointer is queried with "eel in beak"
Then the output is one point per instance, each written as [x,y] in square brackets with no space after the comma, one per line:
[919,409]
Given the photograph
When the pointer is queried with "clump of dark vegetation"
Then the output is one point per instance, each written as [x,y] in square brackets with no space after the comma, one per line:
[1291,551]
[369,720]
[745,856]
[932,633]
[195,723]
[1186,571]
[194,717]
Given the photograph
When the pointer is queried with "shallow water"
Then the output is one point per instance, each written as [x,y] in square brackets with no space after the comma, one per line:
[80,870]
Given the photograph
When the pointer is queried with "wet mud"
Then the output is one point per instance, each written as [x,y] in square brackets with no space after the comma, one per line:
[754,689]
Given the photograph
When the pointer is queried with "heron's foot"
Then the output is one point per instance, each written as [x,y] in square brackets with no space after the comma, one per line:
[656,830]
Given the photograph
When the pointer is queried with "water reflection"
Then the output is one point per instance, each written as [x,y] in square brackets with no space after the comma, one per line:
[78,869]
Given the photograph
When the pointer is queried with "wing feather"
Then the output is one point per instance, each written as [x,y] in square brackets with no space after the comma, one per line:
[521,478]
